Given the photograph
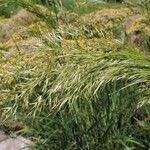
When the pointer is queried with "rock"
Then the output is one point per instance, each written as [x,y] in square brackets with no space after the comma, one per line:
[134,23]
[138,31]
[15,24]
[23,17]
[18,143]
[107,22]
[3,136]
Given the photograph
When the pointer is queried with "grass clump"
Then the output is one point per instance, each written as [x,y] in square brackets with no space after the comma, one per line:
[79,90]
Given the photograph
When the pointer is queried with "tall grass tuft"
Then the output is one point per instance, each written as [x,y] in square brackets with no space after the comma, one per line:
[90,101]
[75,98]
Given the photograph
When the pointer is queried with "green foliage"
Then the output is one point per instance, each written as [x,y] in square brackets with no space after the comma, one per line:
[81,100]
[7,10]
[84,92]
